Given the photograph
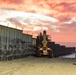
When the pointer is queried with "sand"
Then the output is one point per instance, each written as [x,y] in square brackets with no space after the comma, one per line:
[38,66]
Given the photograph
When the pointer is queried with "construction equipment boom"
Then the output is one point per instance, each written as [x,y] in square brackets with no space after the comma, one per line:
[42,44]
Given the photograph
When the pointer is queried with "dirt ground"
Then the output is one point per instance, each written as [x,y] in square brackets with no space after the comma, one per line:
[38,66]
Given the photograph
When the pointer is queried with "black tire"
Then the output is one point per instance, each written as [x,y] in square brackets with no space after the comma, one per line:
[50,54]
[37,53]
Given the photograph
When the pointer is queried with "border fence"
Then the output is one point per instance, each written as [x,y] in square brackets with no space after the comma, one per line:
[13,43]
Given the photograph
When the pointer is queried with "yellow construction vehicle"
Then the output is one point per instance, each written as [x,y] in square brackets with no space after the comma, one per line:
[42,44]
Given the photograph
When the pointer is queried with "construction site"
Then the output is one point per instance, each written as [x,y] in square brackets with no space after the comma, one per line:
[15,44]
[22,54]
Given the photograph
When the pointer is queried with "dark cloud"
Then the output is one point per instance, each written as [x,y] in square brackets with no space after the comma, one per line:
[8,8]
[69,7]
[11,1]
[14,21]
[68,28]
[64,18]
[63,7]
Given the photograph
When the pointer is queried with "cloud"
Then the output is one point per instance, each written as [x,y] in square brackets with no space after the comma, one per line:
[31,21]
[11,1]
[52,15]
[73,20]
[60,9]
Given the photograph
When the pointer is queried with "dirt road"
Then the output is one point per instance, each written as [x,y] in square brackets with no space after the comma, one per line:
[38,66]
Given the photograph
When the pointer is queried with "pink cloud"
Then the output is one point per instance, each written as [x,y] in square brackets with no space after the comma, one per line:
[63,10]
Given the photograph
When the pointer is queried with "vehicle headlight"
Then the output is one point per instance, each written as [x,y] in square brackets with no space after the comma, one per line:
[40,48]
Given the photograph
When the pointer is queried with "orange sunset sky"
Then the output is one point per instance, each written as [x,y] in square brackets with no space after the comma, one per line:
[58,17]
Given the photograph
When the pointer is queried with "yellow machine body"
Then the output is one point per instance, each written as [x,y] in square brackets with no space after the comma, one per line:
[44,49]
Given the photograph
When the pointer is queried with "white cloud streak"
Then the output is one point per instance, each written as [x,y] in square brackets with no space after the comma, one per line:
[71,21]
[29,20]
